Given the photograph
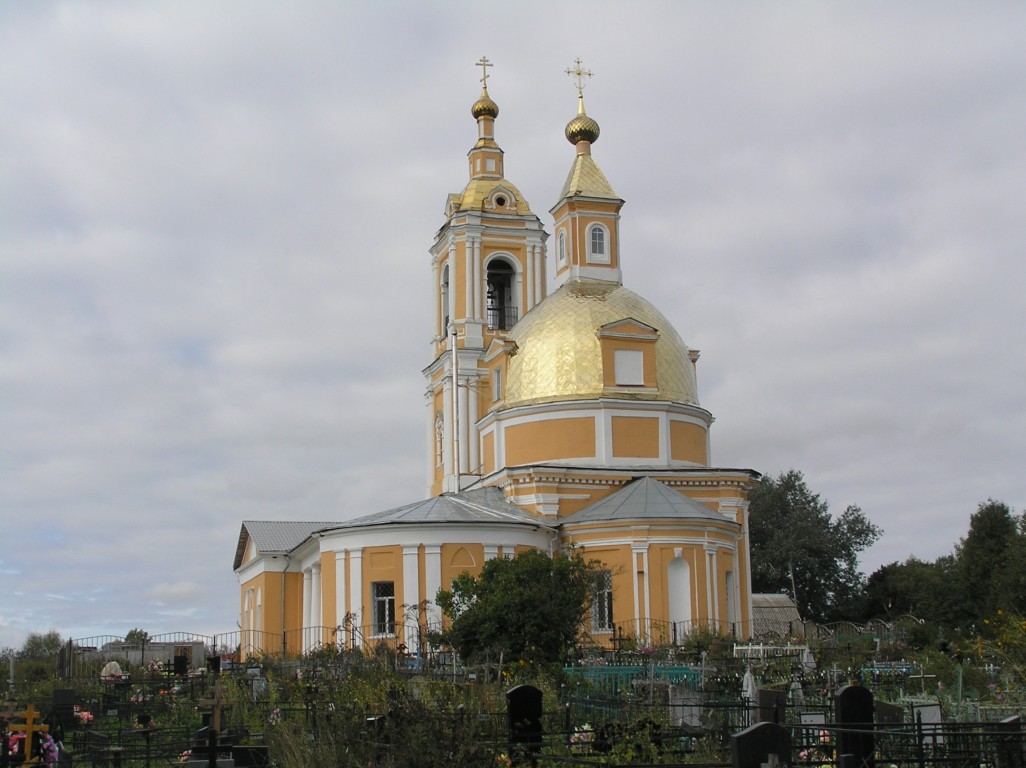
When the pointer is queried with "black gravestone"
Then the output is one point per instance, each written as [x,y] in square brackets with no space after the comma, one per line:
[64,707]
[524,711]
[853,712]
[764,744]
[181,665]
[772,706]
[889,714]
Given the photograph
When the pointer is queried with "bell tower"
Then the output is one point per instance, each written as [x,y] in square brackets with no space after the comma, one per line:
[487,271]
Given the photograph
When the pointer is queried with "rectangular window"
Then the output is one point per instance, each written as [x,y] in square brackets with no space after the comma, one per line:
[629,367]
[383,607]
[602,603]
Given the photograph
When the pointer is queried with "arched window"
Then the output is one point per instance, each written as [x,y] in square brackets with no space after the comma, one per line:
[597,251]
[500,302]
[445,300]
[561,249]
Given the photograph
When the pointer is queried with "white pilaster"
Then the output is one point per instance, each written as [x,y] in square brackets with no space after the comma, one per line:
[316,609]
[411,591]
[340,598]
[432,580]
[307,607]
[356,586]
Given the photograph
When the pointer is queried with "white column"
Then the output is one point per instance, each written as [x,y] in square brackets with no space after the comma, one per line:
[432,580]
[316,609]
[473,439]
[711,586]
[307,606]
[429,407]
[648,593]
[637,592]
[470,258]
[340,597]
[465,420]
[436,295]
[411,591]
[529,269]
[447,418]
[356,587]
[452,289]
[491,551]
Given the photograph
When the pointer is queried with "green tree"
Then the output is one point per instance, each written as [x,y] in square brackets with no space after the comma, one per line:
[529,607]
[799,549]
[41,645]
[137,636]
[988,562]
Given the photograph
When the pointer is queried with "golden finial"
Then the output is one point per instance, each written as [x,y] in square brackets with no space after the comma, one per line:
[582,127]
[484,106]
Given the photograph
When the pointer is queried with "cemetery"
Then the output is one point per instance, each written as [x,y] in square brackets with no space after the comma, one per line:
[842,696]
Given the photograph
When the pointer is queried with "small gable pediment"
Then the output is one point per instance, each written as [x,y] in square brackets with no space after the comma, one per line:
[628,328]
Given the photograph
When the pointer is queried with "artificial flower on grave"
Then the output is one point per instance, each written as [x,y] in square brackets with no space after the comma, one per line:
[582,736]
[83,716]
[47,748]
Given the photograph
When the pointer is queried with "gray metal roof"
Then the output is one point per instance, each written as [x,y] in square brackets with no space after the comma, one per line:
[645,499]
[485,505]
[274,536]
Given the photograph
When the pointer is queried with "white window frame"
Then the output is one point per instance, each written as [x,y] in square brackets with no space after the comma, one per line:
[602,603]
[382,609]
[594,256]
[629,367]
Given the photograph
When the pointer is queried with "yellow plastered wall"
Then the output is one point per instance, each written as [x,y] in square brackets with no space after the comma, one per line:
[293,602]
[460,558]
[688,442]
[635,437]
[488,453]
[551,439]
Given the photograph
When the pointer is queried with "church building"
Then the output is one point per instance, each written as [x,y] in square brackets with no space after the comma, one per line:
[558,420]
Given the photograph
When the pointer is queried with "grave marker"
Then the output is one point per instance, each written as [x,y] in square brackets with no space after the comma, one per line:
[763,745]
[853,711]
[524,712]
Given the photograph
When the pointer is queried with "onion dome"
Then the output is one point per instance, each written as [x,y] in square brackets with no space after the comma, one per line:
[582,127]
[484,106]
[559,354]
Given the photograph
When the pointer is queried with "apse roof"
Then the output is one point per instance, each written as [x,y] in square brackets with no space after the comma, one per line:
[270,536]
[645,499]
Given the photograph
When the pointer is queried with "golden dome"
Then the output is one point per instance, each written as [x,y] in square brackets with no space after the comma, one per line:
[582,127]
[559,356]
[484,106]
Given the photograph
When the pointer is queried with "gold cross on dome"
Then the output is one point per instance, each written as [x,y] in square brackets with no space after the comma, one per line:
[578,73]
[484,64]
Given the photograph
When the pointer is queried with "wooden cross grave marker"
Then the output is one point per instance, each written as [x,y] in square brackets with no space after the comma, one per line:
[30,729]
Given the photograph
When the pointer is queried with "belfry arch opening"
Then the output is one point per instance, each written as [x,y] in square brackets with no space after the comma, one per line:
[500,300]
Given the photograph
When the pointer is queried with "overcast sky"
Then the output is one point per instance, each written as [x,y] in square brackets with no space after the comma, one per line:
[215,286]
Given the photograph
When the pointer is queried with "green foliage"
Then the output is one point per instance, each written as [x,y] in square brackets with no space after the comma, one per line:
[137,636]
[799,549]
[41,645]
[527,608]
[957,592]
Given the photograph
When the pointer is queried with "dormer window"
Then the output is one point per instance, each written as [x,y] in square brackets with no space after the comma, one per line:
[598,247]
